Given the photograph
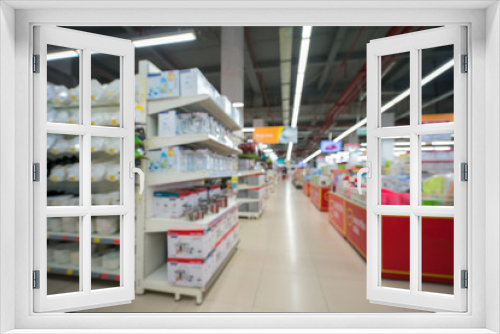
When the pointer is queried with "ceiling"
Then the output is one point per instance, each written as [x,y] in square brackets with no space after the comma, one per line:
[333,97]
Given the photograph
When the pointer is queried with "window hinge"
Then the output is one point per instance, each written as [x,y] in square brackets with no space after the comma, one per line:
[36,172]
[465,279]
[464,171]
[36,63]
[465,64]
[36,279]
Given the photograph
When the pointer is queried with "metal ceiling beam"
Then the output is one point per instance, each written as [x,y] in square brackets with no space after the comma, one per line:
[336,43]
[250,73]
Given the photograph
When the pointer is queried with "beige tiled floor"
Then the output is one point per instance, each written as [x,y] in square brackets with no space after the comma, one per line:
[291,260]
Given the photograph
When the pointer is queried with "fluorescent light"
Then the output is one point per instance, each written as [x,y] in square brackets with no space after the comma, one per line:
[437,72]
[443,142]
[62,55]
[248,130]
[289,151]
[306,31]
[406,143]
[301,70]
[315,154]
[439,148]
[396,100]
[238,104]
[169,39]
[268,150]
[351,130]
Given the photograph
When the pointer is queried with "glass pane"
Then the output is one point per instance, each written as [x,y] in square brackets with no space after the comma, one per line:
[105,252]
[395,170]
[63,170]
[437,84]
[395,89]
[395,251]
[105,90]
[105,170]
[63,89]
[63,255]
[437,169]
[437,254]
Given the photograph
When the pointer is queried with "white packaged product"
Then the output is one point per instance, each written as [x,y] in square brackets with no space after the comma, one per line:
[97,172]
[60,146]
[58,173]
[51,140]
[167,123]
[100,118]
[61,254]
[163,85]
[193,82]
[226,105]
[74,256]
[51,115]
[112,146]
[113,172]
[73,172]
[111,260]
[51,91]
[54,224]
[60,95]
[74,144]
[95,90]
[114,119]
[114,198]
[107,225]
[97,144]
[190,272]
[190,244]
[74,116]
[111,93]
[74,95]
[70,224]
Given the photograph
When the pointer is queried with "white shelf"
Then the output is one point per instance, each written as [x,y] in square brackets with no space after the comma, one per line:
[158,281]
[194,103]
[203,139]
[161,178]
[249,200]
[246,186]
[250,172]
[164,224]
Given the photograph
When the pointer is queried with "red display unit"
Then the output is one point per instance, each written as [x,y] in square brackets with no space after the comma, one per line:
[349,219]
[306,188]
[319,196]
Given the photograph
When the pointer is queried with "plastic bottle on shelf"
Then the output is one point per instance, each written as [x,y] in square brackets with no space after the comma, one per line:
[60,146]
[97,144]
[111,92]
[97,172]
[73,172]
[62,116]
[112,146]
[74,145]
[51,115]
[113,172]
[95,91]
[114,119]
[60,95]
[100,118]
[58,173]
[74,95]
[74,117]
[51,140]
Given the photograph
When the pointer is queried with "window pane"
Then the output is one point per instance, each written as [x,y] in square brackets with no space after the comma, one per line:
[63,89]
[437,84]
[63,170]
[105,170]
[105,252]
[63,255]
[437,169]
[105,90]
[395,89]
[395,170]
[437,254]
[395,251]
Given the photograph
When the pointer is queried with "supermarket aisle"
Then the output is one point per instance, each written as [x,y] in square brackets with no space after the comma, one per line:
[291,260]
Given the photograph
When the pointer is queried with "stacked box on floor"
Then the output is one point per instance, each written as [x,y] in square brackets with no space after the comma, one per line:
[195,255]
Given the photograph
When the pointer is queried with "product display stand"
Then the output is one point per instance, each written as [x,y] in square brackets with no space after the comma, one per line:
[252,207]
[151,231]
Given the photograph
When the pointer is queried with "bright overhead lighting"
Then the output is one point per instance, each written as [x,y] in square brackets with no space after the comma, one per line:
[62,55]
[439,148]
[363,144]
[248,130]
[407,143]
[169,39]
[289,151]
[315,154]
[443,142]
[238,104]
[398,98]
[301,70]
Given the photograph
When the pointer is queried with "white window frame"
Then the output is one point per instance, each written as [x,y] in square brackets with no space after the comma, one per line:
[124,51]
[413,43]
[483,250]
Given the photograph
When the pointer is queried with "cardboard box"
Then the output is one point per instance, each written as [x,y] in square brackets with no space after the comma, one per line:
[195,244]
[166,159]
[193,82]
[167,123]
[170,204]
[191,272]
[163,85]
